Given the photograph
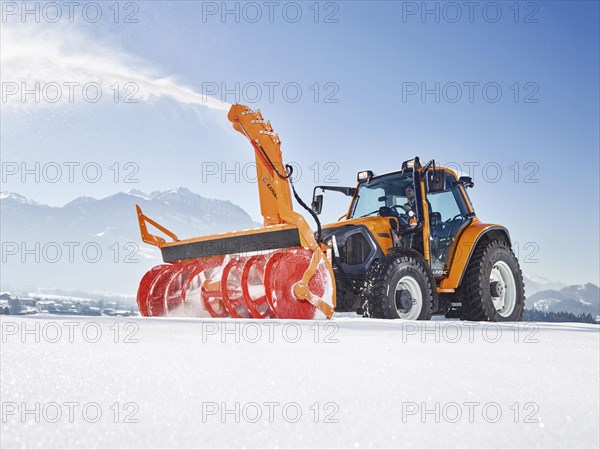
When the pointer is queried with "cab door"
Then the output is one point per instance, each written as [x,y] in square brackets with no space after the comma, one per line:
[448,215]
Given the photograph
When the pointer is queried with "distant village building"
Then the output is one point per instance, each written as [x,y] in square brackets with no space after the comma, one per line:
[22,305]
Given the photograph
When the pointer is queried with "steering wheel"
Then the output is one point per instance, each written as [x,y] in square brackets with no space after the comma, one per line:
[453,219]
[403,216]
[401,207]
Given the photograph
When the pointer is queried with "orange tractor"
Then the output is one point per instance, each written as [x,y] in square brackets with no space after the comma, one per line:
[409,246]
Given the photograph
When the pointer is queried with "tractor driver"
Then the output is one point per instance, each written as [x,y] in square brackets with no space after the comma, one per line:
[413,241]
[410,205]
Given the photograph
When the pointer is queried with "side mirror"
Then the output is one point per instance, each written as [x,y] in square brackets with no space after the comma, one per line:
[466,182]
[436,181]
[317,204]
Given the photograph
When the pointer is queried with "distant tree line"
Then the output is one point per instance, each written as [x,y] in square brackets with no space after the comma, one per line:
[534,315]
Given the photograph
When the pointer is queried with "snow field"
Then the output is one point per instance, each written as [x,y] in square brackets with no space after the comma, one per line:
[75,382]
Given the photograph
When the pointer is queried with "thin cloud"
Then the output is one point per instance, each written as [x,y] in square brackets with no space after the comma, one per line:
[55,64]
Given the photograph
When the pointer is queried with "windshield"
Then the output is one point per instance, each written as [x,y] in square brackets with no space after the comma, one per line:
[390,190]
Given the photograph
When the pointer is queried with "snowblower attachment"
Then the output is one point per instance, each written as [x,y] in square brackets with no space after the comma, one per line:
[276,271]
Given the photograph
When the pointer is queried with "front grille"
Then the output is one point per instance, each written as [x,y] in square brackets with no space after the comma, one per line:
[355,250]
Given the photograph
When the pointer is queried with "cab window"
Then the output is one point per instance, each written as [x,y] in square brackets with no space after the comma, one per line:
[448,215]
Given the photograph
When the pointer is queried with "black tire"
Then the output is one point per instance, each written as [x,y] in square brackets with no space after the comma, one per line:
[383,279]
[475,291]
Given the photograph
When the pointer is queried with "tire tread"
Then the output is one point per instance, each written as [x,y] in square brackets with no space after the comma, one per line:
[379,278]
[471,292]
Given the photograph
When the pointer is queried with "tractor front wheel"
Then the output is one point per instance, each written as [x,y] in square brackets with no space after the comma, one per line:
[398,288]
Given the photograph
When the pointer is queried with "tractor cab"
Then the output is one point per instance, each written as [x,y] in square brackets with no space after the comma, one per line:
[428,207]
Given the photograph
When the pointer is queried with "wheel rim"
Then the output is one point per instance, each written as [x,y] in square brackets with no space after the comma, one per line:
[503,289]
[408,284]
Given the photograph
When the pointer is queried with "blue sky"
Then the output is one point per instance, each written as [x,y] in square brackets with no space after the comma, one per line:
[548,151]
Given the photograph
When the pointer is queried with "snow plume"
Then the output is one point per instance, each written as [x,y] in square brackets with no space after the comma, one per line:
[62,66]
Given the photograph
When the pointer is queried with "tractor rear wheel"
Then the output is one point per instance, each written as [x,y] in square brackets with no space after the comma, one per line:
[492,288]
[399,287]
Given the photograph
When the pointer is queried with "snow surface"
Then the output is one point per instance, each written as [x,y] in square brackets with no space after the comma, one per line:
[376,372]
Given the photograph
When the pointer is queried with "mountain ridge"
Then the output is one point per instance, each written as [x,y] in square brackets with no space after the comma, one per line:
[53,246]
[576,299]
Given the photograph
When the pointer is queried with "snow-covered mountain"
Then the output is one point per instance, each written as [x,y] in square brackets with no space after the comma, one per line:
[575,299]
[180,209]
[95,244]
[12,197]
[535,283]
